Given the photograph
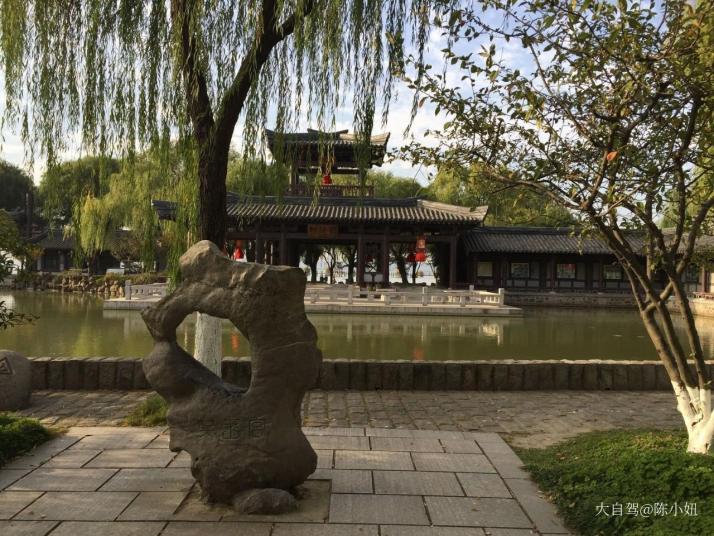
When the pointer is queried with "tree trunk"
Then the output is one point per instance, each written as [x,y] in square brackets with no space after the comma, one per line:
[313,271]
[212,171]
[694,405]
[402,268]
[208,344]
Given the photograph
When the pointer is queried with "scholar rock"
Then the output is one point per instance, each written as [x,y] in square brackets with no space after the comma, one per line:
[15,381]
[239,440]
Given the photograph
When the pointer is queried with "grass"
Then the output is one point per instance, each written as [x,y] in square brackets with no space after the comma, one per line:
[626,468]
[18,435]
[151,412]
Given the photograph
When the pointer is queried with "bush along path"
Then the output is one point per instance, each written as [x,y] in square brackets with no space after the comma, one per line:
[627,483]
[19,435]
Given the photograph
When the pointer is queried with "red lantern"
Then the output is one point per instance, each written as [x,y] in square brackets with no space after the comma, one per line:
[237,254]
[411,257]
[326,179]
[420,256]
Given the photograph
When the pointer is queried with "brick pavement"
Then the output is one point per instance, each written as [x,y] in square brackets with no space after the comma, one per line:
[524,418]
[395,482]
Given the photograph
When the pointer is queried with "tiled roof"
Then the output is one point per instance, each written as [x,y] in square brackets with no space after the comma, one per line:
[537,240]
[316,137]
[54,239]
[371,210]
[342,210]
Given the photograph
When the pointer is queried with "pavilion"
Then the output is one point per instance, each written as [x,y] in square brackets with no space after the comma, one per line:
[275,229]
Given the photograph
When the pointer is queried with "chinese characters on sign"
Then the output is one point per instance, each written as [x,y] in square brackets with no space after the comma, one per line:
[658,509]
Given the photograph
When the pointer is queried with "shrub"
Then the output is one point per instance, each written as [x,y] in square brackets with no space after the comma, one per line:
[626,467]
[18,435]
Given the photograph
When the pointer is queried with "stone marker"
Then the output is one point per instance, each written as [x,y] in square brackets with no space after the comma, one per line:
[239,440]
[15,381]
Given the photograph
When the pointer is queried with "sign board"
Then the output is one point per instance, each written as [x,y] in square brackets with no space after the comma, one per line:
[322,230]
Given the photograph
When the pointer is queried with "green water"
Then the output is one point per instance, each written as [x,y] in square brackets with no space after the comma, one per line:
[76,325]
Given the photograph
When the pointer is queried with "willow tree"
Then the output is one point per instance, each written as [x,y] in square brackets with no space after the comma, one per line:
[129,73]
[609,114]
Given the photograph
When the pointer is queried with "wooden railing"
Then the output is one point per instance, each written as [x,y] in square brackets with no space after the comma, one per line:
[144,291]
[427,296]
[330,190]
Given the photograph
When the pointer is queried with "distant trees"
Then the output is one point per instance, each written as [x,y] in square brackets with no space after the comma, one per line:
[12,247]
[507,205]
[14,184]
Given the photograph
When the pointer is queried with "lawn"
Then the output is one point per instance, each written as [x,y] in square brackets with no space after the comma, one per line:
[19,435]
[627,483]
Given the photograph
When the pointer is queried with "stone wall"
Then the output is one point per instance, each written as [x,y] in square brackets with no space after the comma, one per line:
[511,375]
[569,299]
[700,306]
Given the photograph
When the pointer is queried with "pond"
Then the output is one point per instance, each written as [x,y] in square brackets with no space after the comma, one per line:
[73,325]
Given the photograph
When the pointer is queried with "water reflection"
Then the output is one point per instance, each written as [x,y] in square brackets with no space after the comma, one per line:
[76,325]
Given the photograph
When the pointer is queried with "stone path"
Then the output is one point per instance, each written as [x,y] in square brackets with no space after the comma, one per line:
[524,418]
[395,482]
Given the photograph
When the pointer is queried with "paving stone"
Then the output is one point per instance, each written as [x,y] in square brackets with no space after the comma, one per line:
[311,529]
[406,444]
[182,459]
[324,458]
[472,463]
[42,454]
[194,509]
[168,479]
[11,502]
[382,509]
[26,528]
[8,476]
[483,485]
[401,530]
[356,459]
[538,509]
[389,432]
[117,439]
[108,528]
[133,458]
[72,458]
[78,506]
[508,464]
[346,480]
[153,506]
[59,479]
[339,442]
[182,528]
[512,532]
[332,431]
[469,512]
[416,483]
[461,446]
[438,434]
[161,442]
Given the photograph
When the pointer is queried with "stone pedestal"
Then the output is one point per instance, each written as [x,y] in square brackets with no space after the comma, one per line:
[15,381]
[239,440]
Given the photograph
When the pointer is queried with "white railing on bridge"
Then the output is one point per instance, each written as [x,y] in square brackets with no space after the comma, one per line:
[139,292]
[388,296]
